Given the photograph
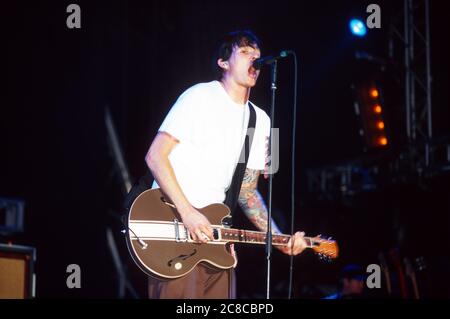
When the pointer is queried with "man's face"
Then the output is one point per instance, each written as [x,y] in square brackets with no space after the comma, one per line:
[240,65]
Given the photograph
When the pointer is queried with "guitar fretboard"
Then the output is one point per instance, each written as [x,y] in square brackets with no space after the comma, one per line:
[255,237]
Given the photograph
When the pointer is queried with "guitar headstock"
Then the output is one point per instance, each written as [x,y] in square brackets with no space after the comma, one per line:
[326,248]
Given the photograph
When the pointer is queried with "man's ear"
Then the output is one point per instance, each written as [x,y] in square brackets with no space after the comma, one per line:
[222,64]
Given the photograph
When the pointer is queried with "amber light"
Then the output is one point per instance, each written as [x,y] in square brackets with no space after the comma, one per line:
[374,93]
[377,109]
[380,125]
[382,141]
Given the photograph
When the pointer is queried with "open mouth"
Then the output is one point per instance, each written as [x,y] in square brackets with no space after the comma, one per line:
[252,72]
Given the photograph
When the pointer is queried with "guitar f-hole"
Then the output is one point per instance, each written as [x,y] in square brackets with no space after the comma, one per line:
[181,257]
[167,203]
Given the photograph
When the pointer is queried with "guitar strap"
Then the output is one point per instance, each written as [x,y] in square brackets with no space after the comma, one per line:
[232,193]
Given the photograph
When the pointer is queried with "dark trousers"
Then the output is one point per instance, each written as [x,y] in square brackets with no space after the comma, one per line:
[201,283]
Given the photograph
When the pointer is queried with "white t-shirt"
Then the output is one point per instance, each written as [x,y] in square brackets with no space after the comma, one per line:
[211,128]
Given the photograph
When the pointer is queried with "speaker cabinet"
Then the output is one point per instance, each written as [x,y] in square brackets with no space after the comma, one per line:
[17,278]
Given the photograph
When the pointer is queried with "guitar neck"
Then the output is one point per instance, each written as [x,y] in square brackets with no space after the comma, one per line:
[257,237]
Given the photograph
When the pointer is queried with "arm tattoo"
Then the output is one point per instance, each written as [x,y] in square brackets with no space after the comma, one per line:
[252,203]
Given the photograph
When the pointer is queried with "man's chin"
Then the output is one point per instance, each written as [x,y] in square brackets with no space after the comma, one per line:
[251,83]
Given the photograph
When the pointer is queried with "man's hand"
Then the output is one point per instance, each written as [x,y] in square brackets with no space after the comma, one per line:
[197,224]
[295,245]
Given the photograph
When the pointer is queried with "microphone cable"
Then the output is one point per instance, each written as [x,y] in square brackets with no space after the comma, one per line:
[294,127]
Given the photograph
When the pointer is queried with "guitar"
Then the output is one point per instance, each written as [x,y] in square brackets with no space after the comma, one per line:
[162,247]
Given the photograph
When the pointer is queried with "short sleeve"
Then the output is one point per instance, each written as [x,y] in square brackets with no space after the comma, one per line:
[180,120]
[258,151]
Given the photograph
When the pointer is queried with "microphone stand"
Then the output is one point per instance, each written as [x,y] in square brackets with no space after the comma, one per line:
[273,88]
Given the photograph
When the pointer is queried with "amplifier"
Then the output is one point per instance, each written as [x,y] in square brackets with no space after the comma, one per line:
[17,277]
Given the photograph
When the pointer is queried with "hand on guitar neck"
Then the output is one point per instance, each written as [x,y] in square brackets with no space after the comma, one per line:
[201,231]
[296,244]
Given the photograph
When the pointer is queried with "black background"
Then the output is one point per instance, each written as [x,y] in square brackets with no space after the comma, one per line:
[136,58]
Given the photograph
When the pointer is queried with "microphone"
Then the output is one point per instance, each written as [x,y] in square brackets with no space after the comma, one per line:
[258,63]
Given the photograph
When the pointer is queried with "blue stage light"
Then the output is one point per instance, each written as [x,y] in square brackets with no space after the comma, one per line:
[358,28]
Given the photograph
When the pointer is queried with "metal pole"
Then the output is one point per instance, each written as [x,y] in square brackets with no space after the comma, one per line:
[407,71]
[273,88]
[428,56]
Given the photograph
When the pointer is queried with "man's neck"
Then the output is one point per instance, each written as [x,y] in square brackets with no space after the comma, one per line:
[238,93]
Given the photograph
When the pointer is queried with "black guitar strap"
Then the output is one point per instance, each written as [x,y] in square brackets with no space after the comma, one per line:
[232,194]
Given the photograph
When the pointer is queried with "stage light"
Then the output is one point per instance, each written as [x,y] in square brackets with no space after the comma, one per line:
[382,141]
[373,124]
[357,27]
[377,109]
[380,125]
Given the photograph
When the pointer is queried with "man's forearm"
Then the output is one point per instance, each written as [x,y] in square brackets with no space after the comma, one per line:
[163,172]
[253,206]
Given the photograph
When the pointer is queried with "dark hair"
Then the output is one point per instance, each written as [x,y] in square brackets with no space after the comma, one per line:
[226,44]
